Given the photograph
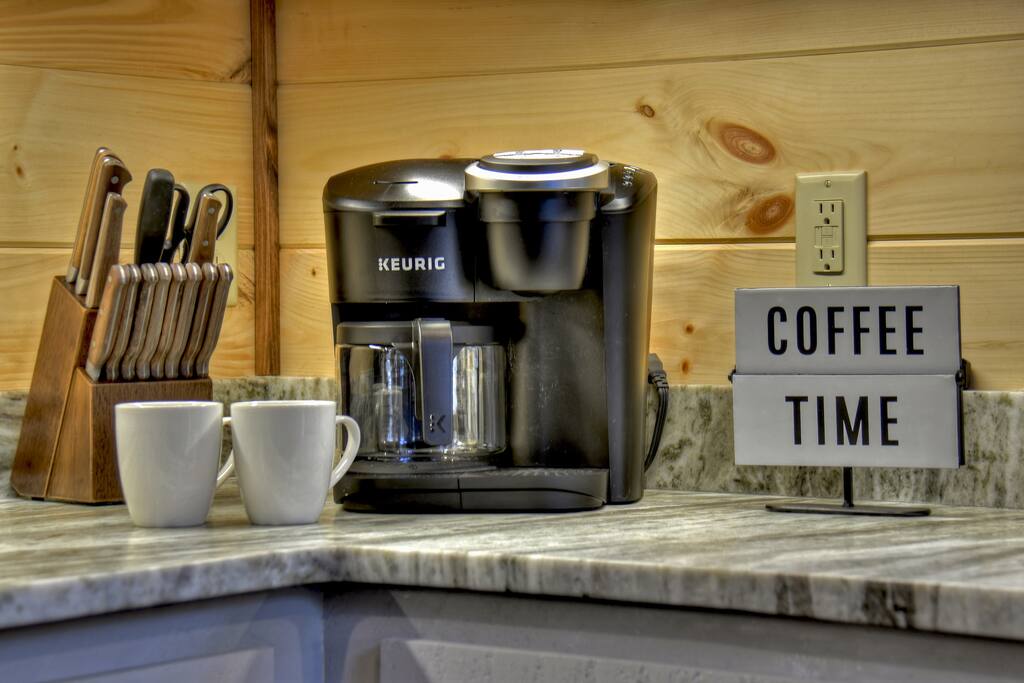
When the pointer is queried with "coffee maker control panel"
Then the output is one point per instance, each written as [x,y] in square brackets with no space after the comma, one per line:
[628,187]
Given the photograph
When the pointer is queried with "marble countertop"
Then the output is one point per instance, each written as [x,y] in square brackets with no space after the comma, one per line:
[959,571]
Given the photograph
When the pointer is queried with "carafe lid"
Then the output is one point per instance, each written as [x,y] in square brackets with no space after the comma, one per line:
[400,332]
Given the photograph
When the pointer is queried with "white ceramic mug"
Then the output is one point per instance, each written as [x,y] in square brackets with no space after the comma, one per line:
[283,452]
[167,454]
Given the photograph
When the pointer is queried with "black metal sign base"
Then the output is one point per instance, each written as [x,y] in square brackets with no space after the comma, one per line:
[847,507]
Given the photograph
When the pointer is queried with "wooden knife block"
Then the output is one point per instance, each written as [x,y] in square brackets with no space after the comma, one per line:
[66,450]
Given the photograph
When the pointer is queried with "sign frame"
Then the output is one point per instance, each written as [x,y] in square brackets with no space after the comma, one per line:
[821,371]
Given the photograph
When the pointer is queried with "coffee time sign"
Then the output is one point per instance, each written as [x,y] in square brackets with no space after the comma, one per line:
[848,376]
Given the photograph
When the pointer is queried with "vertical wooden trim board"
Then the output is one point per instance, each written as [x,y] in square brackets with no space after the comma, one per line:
[264,159]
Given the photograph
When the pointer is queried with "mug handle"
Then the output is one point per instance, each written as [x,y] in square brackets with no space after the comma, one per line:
[229,464]
[348,456]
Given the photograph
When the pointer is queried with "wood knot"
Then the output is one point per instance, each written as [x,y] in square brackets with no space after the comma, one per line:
[312,271]
[19,171]
[685,367]
[769,214]
[645,110]
[689,328]
[744,143]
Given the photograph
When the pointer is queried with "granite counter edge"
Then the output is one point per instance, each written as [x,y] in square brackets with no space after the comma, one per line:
[936,607]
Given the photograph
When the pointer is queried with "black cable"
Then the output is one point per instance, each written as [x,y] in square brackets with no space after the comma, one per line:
[657,376]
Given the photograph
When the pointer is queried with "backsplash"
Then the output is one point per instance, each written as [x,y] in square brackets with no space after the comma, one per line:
[696,452]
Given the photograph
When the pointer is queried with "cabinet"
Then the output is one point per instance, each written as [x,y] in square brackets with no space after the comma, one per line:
[365,634]
[425,636]
[253,638]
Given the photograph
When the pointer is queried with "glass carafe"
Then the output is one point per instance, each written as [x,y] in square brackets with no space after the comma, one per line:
[423,404]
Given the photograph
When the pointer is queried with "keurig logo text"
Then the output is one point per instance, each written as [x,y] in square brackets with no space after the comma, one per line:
[395,263]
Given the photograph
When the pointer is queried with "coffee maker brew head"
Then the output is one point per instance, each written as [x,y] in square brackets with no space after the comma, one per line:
[537,206]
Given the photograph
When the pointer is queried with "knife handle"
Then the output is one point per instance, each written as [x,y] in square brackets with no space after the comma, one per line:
[124,323]
[220,304]
[110,312]
[156,320]
[154,215]
[203,241]
[156,364]
[113,176]
[83,219]
[204,303]
[179,223]
[186,312]
[142,307]
[107,245]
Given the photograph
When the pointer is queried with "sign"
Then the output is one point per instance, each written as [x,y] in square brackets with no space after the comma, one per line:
[848,330]
[848,377]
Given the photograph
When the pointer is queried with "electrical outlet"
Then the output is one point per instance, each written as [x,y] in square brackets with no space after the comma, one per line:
[227,243]
[831,229]
[828,237]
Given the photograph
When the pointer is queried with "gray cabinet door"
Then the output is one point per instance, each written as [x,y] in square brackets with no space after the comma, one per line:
[276,636]
[426,661]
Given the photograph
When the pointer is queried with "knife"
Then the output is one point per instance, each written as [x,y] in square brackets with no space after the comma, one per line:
[83,219]
[107,245]
[179,224]
[156,364]
[203,241]
[186,311]
[112,177]
[154,215]
[156,320]
[105,331]
[220,304]
[124,323]
[204,303]
[147,288]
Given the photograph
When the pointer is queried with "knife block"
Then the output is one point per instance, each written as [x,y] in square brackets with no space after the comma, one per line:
[66,451]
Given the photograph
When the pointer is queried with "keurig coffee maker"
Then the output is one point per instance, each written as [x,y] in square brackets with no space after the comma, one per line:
[491,323]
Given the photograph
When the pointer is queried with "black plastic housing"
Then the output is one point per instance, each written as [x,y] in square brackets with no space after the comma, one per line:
[577,348]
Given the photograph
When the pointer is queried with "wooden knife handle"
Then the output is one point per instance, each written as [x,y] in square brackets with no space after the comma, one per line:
[204,231]
[124,324]
[147,288]
[107,246]
[220,304]
[156,364]
[204,303]
[83,219]
[112,177]
[105,331]
[156,320]
[186,312]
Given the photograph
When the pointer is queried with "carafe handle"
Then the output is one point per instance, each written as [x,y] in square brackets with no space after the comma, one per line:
[432,351]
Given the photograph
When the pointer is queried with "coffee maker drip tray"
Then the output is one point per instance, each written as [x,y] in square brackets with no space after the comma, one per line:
[508,489]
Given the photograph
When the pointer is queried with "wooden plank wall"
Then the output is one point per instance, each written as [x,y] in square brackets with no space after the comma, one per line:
[164,85]
[723,100]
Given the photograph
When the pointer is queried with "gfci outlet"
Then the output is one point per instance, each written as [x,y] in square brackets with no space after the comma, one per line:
[831,229]
[227,243]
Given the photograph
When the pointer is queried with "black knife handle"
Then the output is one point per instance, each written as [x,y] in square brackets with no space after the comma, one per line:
[154,215]
[432,352]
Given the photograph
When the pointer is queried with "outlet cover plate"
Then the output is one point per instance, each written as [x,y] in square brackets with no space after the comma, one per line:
[813,189]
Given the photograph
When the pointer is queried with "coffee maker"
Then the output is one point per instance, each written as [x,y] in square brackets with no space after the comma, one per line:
[491,322]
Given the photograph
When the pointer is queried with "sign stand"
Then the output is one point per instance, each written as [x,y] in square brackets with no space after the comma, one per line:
[847,507]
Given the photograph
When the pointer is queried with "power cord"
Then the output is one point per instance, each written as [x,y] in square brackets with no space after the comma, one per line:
[657,376]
